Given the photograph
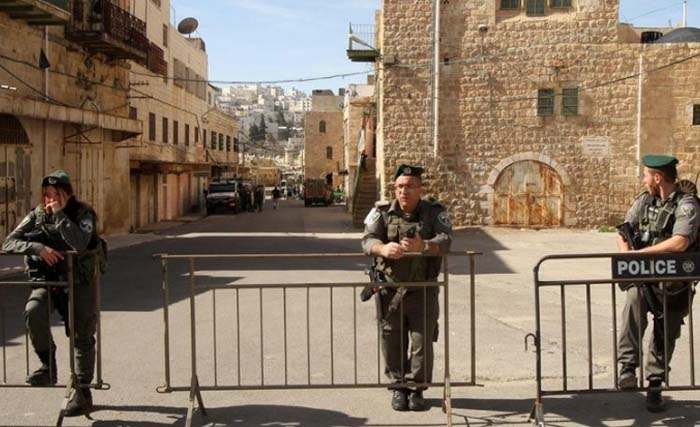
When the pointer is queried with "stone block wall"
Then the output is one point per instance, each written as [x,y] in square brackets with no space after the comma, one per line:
[316,163]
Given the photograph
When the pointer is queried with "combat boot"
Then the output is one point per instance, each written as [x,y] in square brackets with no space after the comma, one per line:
[628,378]
[399,401]
[655,403]
[416,402]
[80,403]
[47,374]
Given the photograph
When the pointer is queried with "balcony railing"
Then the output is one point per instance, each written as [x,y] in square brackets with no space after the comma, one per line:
[102,26]
[38,12]
[361,46]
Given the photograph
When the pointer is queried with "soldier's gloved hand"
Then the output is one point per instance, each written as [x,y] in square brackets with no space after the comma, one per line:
[50,255]
[412,244]
[392,250]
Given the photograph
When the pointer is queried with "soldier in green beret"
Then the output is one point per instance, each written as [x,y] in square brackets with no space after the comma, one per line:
[60,223]
[407,314]
[665,219]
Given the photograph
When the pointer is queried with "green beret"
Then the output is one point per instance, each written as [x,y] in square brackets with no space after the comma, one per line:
[407,170]
[658,161]
[57,178]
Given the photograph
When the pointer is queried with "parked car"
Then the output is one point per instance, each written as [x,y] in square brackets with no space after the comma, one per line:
[223,196]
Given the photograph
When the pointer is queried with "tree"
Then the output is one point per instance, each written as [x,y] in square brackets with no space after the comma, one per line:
[253,132]
[262,128]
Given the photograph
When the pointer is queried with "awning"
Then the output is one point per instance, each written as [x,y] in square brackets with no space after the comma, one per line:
[122,127]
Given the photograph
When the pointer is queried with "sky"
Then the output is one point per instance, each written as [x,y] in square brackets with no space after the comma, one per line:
[255,40]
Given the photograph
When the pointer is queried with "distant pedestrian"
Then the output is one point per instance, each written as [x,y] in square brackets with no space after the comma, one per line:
[275,197]
[259,197]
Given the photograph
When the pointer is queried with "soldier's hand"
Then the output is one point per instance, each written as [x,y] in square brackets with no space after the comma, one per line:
[58,203]
[412,244]
[392,250]
[50,255]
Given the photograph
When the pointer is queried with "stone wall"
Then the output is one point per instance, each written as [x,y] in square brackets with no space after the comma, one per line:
[489,123]
[316,163]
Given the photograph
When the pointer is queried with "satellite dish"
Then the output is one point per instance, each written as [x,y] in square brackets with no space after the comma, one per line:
[187,26]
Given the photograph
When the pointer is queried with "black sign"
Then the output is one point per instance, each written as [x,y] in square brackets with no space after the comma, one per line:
[657,265]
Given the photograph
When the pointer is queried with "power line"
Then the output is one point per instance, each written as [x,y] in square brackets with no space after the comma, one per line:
[250,82]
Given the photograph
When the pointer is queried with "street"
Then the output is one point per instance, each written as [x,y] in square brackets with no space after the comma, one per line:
[132,328]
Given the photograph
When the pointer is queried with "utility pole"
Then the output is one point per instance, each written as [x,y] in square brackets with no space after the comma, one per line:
[436,76]
[684,23]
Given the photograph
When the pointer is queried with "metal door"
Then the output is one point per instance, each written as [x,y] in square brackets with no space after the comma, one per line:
[528,193]
[15,182]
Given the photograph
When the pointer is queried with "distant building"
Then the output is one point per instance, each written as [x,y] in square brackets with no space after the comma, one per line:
[323,139]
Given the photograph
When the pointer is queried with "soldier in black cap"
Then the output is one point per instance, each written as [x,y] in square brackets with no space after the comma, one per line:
[60,223]
[408,224]
[665,219]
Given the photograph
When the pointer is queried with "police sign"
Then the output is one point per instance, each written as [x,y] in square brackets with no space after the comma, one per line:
[658,265]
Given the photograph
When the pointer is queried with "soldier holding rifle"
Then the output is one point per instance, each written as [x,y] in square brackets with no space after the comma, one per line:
[408,224]
[663,219]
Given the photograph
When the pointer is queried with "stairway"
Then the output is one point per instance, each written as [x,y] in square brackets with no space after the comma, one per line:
[365,192]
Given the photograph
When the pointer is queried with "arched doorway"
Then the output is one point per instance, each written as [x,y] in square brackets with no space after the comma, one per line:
[528,193]
[15,173]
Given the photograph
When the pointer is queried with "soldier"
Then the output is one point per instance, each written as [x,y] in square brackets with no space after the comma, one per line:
[665,219]
[408,224]
[60,223]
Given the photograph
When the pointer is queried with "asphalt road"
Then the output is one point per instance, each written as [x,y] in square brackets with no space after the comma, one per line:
[297,346]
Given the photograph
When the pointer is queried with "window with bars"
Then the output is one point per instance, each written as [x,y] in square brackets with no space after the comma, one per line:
[228,143]
[176,132]
[151,127]
[213,141]
[187,134]
[510,4]
[569,102]
[204,138]
[560,3]
[696,115]
[545,102]
[236,147]
[196,134]
[221,142]
[535,7]
[165,130]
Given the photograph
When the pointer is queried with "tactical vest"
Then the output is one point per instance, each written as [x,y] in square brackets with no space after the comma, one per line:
[656,224]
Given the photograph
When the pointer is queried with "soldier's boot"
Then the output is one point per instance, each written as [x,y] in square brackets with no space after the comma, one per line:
[80,403]
[416,402]
[399,400]
[655,403]
[628,378]
[47,374]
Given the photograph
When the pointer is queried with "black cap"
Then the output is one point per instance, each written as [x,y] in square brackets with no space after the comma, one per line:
[407,170]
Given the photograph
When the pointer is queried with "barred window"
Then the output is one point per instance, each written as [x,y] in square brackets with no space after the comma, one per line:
[696,115]
[510,4]
[204,138]
[545,102]
[228,143]
[535,7]
[176,132]
[213,140]
[196,134]
[560,3]
[151,127]
[569,102]
[221,142]
[165,130]
[236,147]
[187,134]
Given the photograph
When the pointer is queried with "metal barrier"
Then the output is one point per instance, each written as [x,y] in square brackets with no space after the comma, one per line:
[632,269]
[72,383]
[302,313]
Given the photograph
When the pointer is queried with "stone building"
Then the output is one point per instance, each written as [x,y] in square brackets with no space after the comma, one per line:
[187,140]
[323,139]
[64,103]
[545,107]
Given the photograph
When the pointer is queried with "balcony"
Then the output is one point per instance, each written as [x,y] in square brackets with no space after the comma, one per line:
[38,12]
[361,44]
[103,27]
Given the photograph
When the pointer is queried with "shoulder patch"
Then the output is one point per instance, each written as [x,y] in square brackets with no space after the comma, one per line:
[86,225]
[373,216]
[444,219]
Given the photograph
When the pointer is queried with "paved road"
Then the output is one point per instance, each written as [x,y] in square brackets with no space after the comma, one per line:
[133,332]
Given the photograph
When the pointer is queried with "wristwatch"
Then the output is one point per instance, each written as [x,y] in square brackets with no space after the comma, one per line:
[426,247]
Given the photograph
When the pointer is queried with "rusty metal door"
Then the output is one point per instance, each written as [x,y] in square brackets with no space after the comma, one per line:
[15,192]
[84,162]
[528,193]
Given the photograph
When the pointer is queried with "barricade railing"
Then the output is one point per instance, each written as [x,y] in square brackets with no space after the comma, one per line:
[631,269]
[297,307]
[72,382]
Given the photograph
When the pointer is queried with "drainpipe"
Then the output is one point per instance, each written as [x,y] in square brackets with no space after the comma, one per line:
[45,144]
[639,108]
[436,75]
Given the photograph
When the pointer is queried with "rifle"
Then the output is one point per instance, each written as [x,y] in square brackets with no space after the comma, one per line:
[655,306]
